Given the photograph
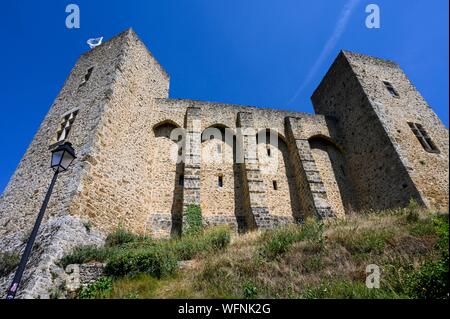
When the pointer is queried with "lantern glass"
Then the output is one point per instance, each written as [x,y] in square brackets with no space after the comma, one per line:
[56,158]
[67,159]
[62,157]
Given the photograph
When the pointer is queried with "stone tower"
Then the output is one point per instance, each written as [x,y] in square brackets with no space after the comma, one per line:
[396,146]
[374,143]
[99,110]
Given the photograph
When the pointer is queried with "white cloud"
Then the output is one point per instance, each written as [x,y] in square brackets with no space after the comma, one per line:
[339,29]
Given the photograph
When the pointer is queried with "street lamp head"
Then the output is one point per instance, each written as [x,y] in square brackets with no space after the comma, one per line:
[62,157]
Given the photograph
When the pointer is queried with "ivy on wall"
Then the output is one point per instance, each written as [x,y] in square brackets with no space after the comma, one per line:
[194,225]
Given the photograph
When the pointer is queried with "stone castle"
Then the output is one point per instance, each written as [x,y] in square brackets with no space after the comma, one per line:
[374,143]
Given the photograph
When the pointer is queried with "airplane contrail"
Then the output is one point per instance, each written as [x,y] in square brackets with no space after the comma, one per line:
[339,29]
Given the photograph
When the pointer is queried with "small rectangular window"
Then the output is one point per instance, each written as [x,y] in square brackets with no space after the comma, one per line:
[181,180]
[391,89]
[275,185]
[220,181]
[87,76]
[423,137]
[268,152]
[66,126]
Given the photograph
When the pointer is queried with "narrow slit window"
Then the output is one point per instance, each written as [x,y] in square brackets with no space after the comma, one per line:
[343,171]
[220,181]
[269,153]
[275,185]
[87,76]
[423,137]
[391,89]
[66,126]
[181,180]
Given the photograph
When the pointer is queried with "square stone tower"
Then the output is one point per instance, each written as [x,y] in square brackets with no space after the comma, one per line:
[396,146]
[101,110]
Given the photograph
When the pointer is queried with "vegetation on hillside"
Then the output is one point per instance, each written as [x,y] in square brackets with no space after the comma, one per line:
[313,260]
[8,262]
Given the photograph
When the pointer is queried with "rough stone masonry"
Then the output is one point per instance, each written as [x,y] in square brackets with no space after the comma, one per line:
[374,144]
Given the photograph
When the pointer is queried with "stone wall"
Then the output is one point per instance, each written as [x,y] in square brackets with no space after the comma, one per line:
[227,204]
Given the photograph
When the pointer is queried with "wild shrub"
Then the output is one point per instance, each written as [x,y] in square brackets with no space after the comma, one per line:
[313,233]
[279,241]
[121,237]
[186,248]
[412,211]
[431,280]
[8,262]
[250,290]
[85,254]
[99,289]
[442,231]
[217,238]
[155,261]
[213,239]
[365,241]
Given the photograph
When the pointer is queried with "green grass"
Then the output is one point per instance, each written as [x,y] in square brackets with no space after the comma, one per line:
[315,260]
[344,289]
[141,286]
[279,241]
[8,262]
[367,241]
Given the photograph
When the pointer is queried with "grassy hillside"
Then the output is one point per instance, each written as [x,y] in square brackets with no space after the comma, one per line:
[315,260]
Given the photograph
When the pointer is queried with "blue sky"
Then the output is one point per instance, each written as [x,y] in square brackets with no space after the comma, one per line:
[251,52]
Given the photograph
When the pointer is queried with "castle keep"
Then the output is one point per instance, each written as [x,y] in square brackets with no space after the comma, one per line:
[374,143]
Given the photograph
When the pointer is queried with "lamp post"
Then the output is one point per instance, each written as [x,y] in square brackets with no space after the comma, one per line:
[62,157]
